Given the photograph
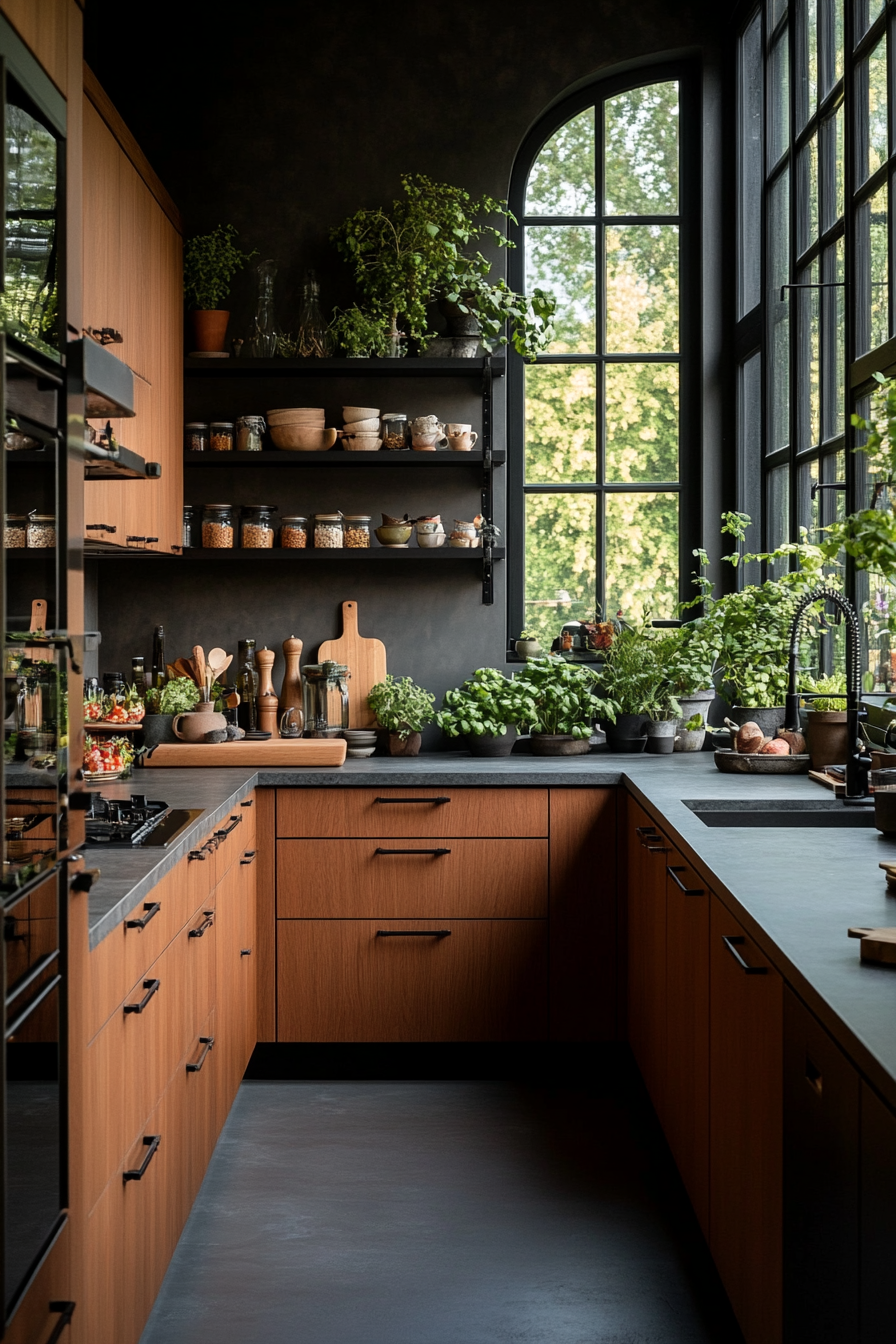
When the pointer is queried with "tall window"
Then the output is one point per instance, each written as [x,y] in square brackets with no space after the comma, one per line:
[597,422]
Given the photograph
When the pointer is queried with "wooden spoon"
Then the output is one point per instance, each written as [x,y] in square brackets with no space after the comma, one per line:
[216,659]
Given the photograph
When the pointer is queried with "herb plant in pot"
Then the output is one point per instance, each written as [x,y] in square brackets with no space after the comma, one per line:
[403,709]
[485,710]
[358,334]
[687,659]
[632,677]
[563,705]
[178,696]
[527,646]
[826,733]
[211,260]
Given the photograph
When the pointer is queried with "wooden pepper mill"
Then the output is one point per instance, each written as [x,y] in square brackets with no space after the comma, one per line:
[268,703]
[291,690]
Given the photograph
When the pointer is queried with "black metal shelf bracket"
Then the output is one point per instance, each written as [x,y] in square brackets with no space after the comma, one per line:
[487,505]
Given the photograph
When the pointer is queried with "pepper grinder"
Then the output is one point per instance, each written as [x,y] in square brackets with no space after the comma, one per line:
[268,704]
[291,691]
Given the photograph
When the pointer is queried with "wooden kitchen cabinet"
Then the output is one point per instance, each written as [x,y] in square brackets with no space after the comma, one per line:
[746,1141]
[877,1228]
[412,813]
[235,1033]
[33,1321]
[648,852]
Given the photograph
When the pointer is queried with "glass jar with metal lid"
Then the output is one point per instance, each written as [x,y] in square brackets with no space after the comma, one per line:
[257,527]
[217,527]
[40,531]
[249,429]
[356,530]
[187,541]
[14,531]
[396,431]
[328,532]
[221,436]
[294,533]
[195,436]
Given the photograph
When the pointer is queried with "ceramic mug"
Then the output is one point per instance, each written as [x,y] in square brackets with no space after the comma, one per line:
[462,443]
[427,424]
[455,431]
[428,443]
[204,719]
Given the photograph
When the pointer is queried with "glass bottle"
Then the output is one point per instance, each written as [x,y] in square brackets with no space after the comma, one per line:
[247,686]
[264,334]
[138,677]
[159,671]
[313,338]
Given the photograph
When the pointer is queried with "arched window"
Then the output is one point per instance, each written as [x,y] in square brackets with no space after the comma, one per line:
[601,425]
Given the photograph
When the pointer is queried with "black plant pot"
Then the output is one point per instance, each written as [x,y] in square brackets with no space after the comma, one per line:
[489,745]
[458,323]
[157,729]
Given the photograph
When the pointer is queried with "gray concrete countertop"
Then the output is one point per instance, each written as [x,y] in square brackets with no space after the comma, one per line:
[796,891]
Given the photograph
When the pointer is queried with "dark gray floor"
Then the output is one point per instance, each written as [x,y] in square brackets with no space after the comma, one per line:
[440,1213]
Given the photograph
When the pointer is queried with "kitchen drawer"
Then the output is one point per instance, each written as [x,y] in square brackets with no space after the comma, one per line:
[233,834]
[388,879]
[342,980]
[412,812]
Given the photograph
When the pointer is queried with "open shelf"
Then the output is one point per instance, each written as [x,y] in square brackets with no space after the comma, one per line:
[339,458]
[380,554]
[246,367]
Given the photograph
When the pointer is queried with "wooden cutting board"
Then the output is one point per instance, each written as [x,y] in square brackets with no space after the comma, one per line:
[277,751]
[38,622]
[365,660]
[877,944]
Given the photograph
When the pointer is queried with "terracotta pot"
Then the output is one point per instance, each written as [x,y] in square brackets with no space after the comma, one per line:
[489,745]
[559,744]
[827,737]
[209,327]
[409,746]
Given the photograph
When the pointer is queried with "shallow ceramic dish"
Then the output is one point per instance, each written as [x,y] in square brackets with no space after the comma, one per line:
[430,541]
[752,763]
[103,776]
[362,426]
[351,413]
[395,535]
[361,443]
[302,438]
[358,753]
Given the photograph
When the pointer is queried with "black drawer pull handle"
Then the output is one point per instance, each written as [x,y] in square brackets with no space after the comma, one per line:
[248,856]
[814,1077]
[197,854]
[248,802]
[152,908]
[67,1311]
[687,891]
[645,830]
[137,1173]
[658,849]
[412,800]
[208,921]
[245,951]
[207,1042]
[151,987]
[225,831]
[412,851]
[733,942]
[413,933]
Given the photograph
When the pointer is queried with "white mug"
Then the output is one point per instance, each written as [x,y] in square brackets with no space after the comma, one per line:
[462,443]
[454,431]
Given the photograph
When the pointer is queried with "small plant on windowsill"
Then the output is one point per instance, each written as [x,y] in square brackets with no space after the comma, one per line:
[527,646]
[403,709]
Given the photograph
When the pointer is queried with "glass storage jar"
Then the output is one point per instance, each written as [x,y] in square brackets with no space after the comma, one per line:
[395,430]
[249,429]
[257,528]
[14,531]
[328,532]
[356,528]
[187,538]
[40,531]
[217,527]
[195,436]
[221,436]
[294,533]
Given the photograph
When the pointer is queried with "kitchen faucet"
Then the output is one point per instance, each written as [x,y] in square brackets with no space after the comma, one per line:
[857,762]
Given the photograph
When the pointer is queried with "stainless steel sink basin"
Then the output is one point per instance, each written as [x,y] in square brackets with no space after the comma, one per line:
[784,813]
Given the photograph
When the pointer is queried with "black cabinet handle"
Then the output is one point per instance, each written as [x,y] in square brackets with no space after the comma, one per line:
[687,891]
[225,831]
[412,851]
[100,527]
[814,1077]
[85,879]
[733,942]
[412,800]
[248,856]
[658,849]
[641,831]
[207,1042]
[197,854]
[413,933]
[208,921]
[151,987]
[152,908]
[248,802]
[245,951]
[152,1142]
[67,1311]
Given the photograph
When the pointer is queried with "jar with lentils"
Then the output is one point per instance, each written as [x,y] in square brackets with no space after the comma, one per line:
[328,534]
[217,527]
[40,531]
[294,533]
[14,531]
[196,436]
[257,529]
[357,531]
[221,436]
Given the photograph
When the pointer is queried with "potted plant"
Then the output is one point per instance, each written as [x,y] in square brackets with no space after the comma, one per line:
[486,710]
[178,696]
[421,248]
[527,646]
[564,705]
[688,659]
[632,677]
[211,260]
[359,334]
[402,709]
[826,734]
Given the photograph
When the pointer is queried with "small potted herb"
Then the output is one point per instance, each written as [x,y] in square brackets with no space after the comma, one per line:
[527,646]
[633,679]
[486,710]
[178,696]
[826,734]
[211,260]
[564,705]
[402,709]
[358,334]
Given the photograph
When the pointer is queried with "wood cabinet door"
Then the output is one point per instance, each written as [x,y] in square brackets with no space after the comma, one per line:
[397,980]
[646,951]
[235,1033]
[686,1098]
[746,1122]
[34,1321]
[413,813]
[877,1235]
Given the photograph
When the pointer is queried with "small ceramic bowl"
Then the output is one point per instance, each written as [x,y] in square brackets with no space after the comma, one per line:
[428,527]
[363,426]
[462,542]
[353,413]
[394,536]
[430,540]
[358,753]
[361,443]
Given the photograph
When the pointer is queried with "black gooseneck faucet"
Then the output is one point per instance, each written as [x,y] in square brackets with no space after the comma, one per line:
[857,762]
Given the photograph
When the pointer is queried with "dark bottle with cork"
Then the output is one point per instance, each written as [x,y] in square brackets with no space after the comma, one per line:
[159,671]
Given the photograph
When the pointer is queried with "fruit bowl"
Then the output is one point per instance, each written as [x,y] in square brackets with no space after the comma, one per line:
[754,763]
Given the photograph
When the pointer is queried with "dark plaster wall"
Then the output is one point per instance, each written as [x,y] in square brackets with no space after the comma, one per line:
[283,118]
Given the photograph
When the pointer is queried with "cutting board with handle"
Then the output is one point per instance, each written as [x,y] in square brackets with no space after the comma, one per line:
[877,944]
[38,623]
[366,661]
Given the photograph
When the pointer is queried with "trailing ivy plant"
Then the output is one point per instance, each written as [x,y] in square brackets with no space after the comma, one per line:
[563,697]
[401,706]
[485,704]
[211,260]
[422,247]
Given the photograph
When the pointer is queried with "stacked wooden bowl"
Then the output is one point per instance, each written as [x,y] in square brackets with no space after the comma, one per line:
[300,429]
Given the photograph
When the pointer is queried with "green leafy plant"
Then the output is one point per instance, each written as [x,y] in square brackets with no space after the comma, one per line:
[688,656]
[405,255]
[632,673]
[359,334]
[563,697]
[177,696]
[401,706]
[211,260]
[485,704]
[831,692]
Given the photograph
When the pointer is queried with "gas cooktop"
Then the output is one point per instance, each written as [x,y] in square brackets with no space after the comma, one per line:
[135,822]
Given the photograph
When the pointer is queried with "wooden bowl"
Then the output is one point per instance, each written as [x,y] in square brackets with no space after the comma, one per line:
[351,413]
[298,415]
[302,438]
[363,426]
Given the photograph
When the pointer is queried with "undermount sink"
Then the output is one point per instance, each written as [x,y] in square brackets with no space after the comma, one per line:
[783,813]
